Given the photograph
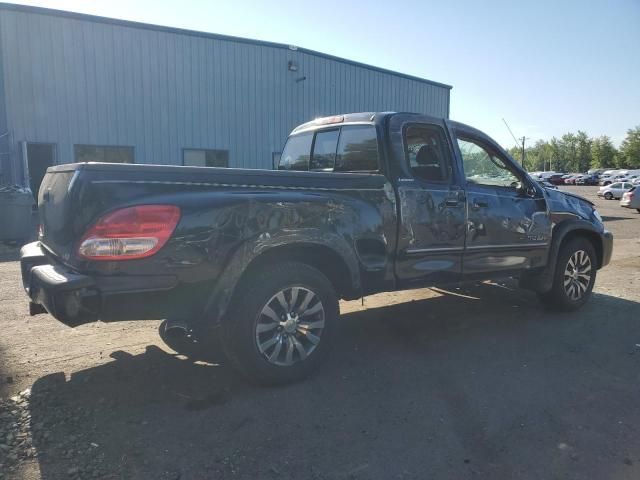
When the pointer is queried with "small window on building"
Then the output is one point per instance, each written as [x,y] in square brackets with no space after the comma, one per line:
[99,153]
[427,153]
[324,150]
[296,153]
[275,159]
[357,150]
[205,158]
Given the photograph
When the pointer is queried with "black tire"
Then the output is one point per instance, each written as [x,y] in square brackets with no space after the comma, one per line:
[608,196]
[561,297]
[243,342]
[638,209]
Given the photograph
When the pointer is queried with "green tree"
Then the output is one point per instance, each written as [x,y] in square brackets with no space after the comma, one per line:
[569,146]
[583,151]
[603,153]
[629,156]
[557,160]
[540,156]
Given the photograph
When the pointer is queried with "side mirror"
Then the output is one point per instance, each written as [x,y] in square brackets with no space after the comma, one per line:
[525,190]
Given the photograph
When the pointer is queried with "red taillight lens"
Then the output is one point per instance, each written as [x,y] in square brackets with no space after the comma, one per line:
[129,233]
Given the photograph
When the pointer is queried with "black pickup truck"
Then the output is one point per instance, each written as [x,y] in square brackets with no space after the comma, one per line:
[359,204]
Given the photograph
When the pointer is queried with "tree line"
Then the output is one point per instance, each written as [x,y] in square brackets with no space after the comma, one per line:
[577,152]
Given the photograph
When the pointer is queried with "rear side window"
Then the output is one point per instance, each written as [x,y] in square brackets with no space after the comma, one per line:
[324,150]
[296,153]
[357,149]
[427,153]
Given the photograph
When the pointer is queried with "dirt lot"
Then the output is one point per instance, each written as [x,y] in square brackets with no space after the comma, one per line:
[474,383]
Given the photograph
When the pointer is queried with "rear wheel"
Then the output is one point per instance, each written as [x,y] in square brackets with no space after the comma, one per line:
[280,324]
[608,195]
[574,276]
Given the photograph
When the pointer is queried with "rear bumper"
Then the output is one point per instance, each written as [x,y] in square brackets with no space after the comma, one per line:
[74,298]
[68,296]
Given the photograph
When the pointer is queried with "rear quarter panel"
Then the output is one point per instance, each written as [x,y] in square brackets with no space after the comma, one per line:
[231,215]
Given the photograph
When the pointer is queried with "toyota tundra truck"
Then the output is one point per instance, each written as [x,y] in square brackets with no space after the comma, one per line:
[358,204]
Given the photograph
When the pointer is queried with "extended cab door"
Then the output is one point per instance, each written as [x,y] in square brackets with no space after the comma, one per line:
[508,226]
[431,202]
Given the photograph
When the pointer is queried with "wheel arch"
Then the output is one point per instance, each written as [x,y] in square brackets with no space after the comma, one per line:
[341,270]
[563,233]
[322,257]
[592,236]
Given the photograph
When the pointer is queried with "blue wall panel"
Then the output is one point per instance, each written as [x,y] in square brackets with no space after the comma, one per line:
[74,79]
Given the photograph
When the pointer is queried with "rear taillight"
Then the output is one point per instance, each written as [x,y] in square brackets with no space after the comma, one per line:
[130,233]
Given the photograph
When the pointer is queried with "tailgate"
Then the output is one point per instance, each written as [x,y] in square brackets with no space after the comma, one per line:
[57,210]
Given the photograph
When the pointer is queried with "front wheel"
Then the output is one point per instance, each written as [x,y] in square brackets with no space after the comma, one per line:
[574,276]
[279,326]
[608,196]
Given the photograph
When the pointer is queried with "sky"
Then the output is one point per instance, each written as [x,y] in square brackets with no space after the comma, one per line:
[547,67]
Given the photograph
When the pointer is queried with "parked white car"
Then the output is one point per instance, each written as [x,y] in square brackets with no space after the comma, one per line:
[632,178]
[615,190]
[631,199]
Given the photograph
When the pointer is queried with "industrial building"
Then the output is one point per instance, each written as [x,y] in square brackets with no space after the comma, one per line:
[76,87]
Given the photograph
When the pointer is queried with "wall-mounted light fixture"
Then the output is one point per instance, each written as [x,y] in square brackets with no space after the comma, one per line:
[293,66]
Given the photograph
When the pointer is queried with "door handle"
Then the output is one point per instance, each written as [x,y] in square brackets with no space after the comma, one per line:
[478,204]
[455,198]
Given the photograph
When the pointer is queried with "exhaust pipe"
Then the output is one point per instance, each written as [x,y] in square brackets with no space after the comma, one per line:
[175,328]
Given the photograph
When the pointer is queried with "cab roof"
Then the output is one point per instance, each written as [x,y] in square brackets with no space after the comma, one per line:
[348,118]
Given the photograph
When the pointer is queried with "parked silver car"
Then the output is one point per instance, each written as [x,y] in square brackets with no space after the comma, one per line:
[615,190]
[631,199]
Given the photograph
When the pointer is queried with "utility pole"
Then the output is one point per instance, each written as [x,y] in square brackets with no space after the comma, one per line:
[515,140]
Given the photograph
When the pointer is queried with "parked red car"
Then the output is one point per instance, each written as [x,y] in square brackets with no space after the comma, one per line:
[556,179]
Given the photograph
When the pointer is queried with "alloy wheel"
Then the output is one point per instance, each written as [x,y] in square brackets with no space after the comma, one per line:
[289,326]
[577,275]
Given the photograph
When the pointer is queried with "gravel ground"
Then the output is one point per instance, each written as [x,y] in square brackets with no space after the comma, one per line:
[475,383]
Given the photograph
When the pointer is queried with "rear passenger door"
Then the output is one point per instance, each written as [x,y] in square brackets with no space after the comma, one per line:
[431,202]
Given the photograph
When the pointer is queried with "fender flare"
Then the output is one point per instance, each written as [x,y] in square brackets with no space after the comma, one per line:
[218,301]
[543,281]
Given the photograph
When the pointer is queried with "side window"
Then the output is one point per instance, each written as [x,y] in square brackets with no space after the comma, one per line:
[324,150]
[295,155]
[357,149]
[483,167]
[205,158]
[427,153]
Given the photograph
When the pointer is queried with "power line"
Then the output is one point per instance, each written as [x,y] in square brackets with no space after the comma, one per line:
[518,144]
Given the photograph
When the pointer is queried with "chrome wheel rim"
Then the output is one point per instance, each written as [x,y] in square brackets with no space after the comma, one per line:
[289,326]
[577,275]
